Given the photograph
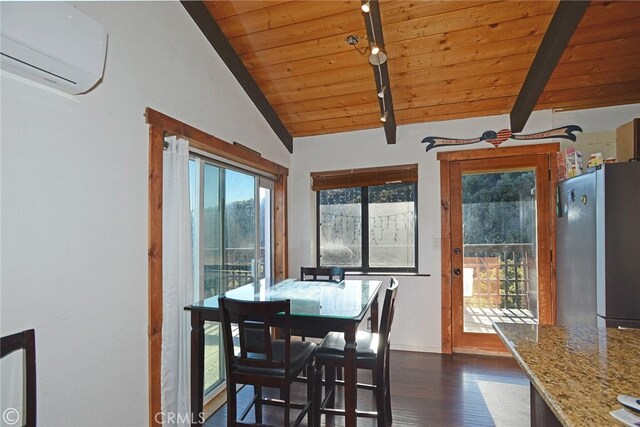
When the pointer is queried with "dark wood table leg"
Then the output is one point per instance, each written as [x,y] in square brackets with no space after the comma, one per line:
[197,367]
[350,376]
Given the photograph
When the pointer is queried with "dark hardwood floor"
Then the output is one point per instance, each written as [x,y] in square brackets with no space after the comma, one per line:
[433,390]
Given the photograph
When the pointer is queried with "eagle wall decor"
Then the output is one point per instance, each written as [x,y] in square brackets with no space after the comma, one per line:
[497,138]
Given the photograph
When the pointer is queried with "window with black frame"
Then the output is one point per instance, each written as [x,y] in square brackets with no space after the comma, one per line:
[370,227]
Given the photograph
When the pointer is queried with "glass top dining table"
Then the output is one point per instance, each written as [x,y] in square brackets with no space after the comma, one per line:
[317,308]
[348,299]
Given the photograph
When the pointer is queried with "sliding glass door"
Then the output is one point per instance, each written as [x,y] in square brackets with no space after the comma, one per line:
[231,225]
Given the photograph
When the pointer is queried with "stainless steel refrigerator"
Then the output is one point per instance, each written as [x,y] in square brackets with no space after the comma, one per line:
[598,248]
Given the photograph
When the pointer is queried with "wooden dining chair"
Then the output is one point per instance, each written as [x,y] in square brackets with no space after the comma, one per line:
[262,360]
[333,274]
[25,340]
[372,353]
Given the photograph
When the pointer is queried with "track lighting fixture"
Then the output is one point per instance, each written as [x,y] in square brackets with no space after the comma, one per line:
[378,58]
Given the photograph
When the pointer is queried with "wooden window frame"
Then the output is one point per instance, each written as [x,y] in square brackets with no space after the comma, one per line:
[161,125]
[364,178]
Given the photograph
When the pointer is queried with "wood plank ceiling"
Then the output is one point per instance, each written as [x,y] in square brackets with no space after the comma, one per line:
[446,59]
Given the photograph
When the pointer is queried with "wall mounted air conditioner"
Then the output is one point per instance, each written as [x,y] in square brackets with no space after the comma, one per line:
[52,43]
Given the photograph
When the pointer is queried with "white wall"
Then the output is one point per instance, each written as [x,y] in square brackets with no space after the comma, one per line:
[74,205]
[417,324]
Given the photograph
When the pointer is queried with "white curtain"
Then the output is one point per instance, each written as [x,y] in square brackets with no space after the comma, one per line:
[177,284]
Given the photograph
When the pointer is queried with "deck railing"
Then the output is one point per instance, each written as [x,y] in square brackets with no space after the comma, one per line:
[219,279]
[502,274]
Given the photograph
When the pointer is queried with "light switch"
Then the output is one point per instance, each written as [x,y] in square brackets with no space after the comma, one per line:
[437,244]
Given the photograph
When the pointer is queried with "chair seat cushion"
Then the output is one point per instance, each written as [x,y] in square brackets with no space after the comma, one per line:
[332,346]
[301,354]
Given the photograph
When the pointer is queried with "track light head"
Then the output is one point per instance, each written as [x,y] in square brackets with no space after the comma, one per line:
[382,91]
[383,119]
[374,49]
[378,58]
[366,7]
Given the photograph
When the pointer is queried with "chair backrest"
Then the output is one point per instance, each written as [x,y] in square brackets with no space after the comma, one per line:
[254,320]
[25,340]
[388,310]
[322,273]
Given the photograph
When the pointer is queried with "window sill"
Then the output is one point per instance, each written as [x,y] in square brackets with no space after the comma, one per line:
[384,273]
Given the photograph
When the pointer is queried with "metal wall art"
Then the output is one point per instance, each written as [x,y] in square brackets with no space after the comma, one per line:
[497,138]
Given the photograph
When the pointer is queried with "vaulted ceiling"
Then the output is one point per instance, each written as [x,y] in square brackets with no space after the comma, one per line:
[446,59]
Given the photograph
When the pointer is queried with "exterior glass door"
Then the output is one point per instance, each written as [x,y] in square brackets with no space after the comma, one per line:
[499,271]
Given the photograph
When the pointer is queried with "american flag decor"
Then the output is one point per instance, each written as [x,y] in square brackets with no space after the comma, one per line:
[497,138]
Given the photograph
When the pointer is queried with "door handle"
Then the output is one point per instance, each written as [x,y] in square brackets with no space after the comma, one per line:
[457,271]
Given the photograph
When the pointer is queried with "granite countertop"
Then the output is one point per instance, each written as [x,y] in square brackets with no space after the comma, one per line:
[578,371]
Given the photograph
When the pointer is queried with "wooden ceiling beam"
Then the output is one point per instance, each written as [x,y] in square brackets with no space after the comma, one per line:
[555,40]
[373,24]
[209,27]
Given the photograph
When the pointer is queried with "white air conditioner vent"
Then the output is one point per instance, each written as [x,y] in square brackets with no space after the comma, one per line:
[52,43]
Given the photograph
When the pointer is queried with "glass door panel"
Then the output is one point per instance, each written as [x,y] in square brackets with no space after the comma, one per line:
[499,249]
[205,197]
[212,244]
[239,230]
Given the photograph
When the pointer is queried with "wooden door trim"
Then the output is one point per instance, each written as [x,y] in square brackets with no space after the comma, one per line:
[492,153]
[154,266]
[445,247]
[446,162]
[553,188]
[159,125]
